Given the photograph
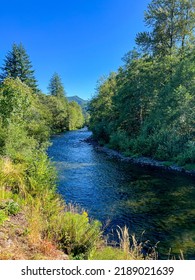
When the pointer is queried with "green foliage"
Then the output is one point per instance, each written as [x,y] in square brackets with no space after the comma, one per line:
[79,236]
[84,106]
[75,116]
[15,98]
[3,217]
[10,207]
[38,120]
[101,108]
[58,109]
[19,106]
[189,167]
[19,146]
[12,176]
[41,175]
[119,140]
[187,155]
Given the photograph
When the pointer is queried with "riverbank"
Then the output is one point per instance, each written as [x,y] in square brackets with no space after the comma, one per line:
[37,224]
[141,161]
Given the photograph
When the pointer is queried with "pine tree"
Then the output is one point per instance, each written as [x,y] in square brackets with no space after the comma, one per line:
[56,87]
[58,104]
[17,65]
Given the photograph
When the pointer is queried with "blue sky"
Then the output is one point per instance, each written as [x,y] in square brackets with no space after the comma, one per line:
[80,40]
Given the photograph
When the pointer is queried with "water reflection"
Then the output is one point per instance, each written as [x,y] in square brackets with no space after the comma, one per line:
[158,203]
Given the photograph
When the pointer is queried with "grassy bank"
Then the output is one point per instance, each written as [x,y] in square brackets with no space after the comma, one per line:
[35,223]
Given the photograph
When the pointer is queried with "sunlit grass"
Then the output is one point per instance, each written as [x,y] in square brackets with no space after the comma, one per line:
[12,176]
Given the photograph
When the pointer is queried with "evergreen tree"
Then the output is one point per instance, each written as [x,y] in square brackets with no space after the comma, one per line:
[17,65]
[58,104]
[56,87]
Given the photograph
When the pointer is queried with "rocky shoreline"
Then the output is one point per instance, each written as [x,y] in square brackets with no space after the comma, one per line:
[142,161]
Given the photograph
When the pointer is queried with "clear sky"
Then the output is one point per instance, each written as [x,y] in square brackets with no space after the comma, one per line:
[81,40]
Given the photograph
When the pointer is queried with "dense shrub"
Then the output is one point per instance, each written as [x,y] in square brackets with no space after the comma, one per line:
[119,140]
[79,235]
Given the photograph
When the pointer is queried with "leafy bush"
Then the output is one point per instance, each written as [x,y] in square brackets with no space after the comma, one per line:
[79,235]
[75,116]
[41,174]
[10,207]
[100,132]
[119,140]
[15,99]
[188,154]
[38,120]
[143,145]
[12,177]
[19,146]
[58,109]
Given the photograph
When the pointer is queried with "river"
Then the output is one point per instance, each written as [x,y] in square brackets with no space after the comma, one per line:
[158,203]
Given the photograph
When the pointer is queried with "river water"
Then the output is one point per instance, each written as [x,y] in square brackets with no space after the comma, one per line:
[158,203]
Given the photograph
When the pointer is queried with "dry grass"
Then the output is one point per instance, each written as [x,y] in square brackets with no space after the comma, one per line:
[130,246]
[16,245]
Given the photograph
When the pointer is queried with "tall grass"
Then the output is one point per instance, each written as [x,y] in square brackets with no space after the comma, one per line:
[12,176]
[135,249]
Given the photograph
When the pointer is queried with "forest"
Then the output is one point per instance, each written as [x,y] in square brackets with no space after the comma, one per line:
[147,107]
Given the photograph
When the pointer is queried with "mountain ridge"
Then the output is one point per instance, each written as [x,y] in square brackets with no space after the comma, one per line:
[78,99]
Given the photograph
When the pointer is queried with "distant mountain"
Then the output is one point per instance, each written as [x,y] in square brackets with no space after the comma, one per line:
[80,101]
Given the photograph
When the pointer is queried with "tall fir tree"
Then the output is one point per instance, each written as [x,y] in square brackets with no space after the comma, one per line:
[18,65]
[56,87]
